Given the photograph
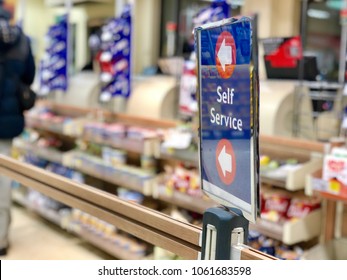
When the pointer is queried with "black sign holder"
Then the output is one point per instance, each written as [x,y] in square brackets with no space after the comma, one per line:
[222,228]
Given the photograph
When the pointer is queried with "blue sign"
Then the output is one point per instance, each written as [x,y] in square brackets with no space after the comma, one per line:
[115,57]
[228,114]
[218,10]
[54,67]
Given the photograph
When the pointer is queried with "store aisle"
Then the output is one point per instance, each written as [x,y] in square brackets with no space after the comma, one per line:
[33,238]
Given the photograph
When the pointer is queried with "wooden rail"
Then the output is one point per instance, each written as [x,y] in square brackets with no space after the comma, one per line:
[147,224]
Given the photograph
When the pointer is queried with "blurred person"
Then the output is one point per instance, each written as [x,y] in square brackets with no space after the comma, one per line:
[16,67]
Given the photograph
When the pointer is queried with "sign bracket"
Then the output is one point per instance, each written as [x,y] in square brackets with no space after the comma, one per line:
[222,226]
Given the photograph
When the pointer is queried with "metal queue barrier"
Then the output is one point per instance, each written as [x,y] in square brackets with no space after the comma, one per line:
[149,225]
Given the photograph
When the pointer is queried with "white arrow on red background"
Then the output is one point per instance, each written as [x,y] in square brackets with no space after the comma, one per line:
[224,54]
[225,162]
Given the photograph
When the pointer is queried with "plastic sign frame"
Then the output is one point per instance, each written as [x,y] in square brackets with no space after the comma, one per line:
[228,98]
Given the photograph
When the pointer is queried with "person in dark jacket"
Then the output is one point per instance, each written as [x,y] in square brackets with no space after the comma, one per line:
[16,66]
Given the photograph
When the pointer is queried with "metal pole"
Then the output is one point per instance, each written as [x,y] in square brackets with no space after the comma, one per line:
[68,7]
[343,46]
[304,7]
[298,90]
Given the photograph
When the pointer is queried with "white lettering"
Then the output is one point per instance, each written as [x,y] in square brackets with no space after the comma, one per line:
[213,118]
[227,121]
[219,99]
[218,119]
[239,124]
[225,97]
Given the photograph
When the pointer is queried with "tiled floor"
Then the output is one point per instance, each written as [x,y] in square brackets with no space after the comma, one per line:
[33,238]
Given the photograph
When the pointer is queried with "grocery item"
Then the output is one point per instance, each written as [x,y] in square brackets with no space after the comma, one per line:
[183,180]
[335,173]
[301,207]
[276,204]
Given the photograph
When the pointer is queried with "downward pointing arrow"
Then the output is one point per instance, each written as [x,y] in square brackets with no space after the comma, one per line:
[224,160]
[224,54]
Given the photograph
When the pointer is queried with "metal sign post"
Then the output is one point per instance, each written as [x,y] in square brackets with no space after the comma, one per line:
[343,44]
[228,102]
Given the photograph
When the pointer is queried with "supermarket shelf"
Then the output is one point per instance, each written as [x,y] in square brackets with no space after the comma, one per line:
[331,196]
[126,181]
[45,153]
[121,178]
[291,232]
[104,245]
[295,179]
[147,147]
[34,122]
[64,221]
[187,155]
[315,184]
[49,214]
[195,204]
[272,182]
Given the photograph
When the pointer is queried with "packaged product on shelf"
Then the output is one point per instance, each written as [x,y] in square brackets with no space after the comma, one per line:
[273,247]
[286,253]
[73,127]
[339,152]
[49,142]
[138,249]
[113,157]
[141,133]
[182,180]
[276,204]
[149,163]
[57,169]
[104,131]
[130,196]
[34,160]
[88,129]
[162,254]
[42,202]
[93,224]
[277,169]
[301,207]
[114,132]
[335,173]
[177,138]
[93,130]
[268,246]
[194,186]
[253,239]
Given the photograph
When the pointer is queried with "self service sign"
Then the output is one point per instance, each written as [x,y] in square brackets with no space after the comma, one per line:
[228,103]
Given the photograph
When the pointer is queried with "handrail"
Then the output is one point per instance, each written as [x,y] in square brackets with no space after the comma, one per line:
[149,225]
[135,219]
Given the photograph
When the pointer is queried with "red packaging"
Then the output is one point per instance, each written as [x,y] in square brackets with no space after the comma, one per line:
[299,208]
[275,206]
